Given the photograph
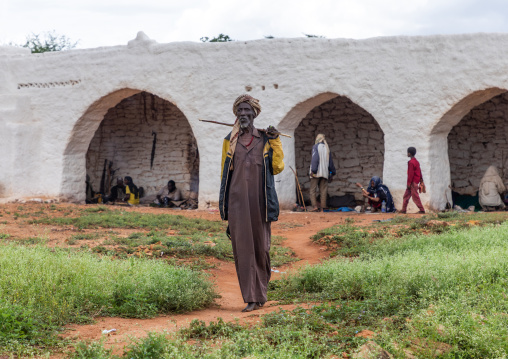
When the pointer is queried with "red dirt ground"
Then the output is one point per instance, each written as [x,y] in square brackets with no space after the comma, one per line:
[297,227]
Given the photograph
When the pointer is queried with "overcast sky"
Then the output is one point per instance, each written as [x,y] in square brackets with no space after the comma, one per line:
[97,23]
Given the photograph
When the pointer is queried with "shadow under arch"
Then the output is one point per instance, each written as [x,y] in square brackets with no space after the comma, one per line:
[440,175]
[91,125]
[355,138]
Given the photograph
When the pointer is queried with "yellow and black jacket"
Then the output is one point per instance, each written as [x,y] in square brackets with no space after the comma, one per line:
[273,164]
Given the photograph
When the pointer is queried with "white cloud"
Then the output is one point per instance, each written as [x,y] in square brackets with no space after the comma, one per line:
[114,22]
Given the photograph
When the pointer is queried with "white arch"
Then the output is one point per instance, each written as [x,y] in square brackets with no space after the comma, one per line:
[440,176]
[288,125]
[74,157]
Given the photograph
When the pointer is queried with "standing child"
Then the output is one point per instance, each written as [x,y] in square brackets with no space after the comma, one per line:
[414,178]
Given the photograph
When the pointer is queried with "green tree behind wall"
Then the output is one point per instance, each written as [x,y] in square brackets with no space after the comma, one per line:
[48,41]
[220,38]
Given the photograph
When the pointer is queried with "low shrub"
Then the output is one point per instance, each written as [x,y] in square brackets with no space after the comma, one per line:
[57,286]
[451,286]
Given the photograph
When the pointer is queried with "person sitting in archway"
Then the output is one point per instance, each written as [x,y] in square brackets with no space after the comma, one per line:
[491,187]
[131,191]
[90,193]
[168,195]
[376,194]
[117,192]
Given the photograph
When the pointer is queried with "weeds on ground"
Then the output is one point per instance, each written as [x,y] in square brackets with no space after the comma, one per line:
[43,289]
[279,335]
[449,289]
[32,240]
[20,333]
[103,217]
[93,350]
[348,240]
[197,264]
[168,237]
[158,244]
[187,237]
[219,329]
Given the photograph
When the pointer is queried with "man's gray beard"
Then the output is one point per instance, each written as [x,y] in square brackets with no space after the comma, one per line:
[244,124]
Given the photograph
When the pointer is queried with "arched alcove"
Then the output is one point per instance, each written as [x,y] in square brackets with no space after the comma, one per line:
[355,139]
[479,140]
[120,128]
[463,141]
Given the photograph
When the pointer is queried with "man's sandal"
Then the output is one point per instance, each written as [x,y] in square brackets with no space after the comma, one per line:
[250,307]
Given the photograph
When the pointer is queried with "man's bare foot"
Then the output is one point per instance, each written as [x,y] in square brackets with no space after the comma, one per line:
[250,307]
[260,304]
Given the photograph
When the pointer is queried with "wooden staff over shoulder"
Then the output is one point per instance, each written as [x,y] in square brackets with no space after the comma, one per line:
[231,125]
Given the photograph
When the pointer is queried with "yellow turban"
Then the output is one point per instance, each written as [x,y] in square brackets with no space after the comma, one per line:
[254,103]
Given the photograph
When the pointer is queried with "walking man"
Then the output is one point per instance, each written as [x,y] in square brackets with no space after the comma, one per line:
[250,159]
[414,178]
[322,171]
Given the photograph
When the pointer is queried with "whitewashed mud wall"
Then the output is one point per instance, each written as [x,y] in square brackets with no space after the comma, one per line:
[416,88]
[355,140]
[125,137]
[479,140]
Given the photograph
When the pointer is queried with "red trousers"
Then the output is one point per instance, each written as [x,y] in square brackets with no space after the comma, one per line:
[412,192]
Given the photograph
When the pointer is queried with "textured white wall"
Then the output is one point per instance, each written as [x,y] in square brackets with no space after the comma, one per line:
[416,88]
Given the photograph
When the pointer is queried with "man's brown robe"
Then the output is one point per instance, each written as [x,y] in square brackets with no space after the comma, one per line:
[250,232]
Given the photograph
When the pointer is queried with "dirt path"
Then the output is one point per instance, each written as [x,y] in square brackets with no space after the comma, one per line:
[296,227]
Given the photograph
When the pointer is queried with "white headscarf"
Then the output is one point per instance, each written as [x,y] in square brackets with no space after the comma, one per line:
[491,186]
[492,175]
[320,138]
[324,157]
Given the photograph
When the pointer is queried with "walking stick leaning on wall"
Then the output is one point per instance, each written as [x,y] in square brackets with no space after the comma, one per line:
[299,189]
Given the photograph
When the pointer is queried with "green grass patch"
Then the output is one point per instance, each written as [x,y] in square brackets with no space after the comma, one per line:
[33,240]
[459,276]
[42,289]
[160,244]
[157,244]
[283,335]
[188,237]
[438,295]
[281,255]
[103,217]
[348,240]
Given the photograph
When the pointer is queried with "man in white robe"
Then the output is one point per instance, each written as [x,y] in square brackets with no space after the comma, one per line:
[491,186]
